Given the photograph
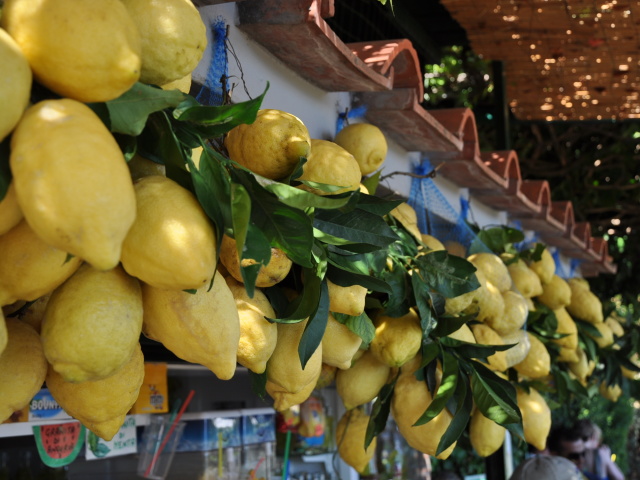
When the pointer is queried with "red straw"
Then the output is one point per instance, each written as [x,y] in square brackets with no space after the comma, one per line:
[168,435]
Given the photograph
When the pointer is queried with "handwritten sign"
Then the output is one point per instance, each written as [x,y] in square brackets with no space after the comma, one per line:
[59,444]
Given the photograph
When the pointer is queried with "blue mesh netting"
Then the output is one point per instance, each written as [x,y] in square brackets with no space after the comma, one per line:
[213,91]
[343,118]
[436,216]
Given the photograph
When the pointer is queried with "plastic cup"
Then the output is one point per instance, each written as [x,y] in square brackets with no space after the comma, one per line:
[152,464]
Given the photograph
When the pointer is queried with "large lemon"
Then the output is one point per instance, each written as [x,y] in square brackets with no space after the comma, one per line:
[397,340]
[271,146]
[362,382]
[15,86]
[10,212]
[537,363]
[566,325]
[524,279]
[493,268]
[257,335]
[85,50]
[339,344]
[173,38]
[348,300]
[584,304]
[350,435]
[284,367]
[545,267]
[102,405]
[366,143]
[171,245]
[273,272]
[330,164]
[514,315]
[23,367]
[536,417]
[408,218]
[92,324]
[556,293]
[72,181]
[30,268]
[485,335]
[201,327]
[521,346]
[283,400]
[486,436]
[3,332]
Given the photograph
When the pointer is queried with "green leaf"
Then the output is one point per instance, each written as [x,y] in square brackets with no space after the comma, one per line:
[314,330]
[346,278]
[448,275]
[361,325]
[447,324]
[400,299]
[295,197]
[494,396]
[376,205]
[430,351]
[380,412]
[423,301]
[258,383]
[371,182]
[129,112]
[214,121]
[256,248]
[357,226]
[464,403]
[445,391]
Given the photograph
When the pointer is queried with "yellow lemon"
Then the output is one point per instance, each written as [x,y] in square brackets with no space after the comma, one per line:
[585,305]
[284,367]
[172,35]
[614,324]
[30,268]
[183,84]
[270,274]
[521,345]
[101,405]
[610,392]
[486,436]
[331,164]
[339,344]
[432,242]
[366,143]
[536,417]
[283,400]
[362,382]
[537,363]
[88,51]
[493,268]
[486,335]
[556,293]
[545,267]
[488,300]
[348,300]
[143,167]
[271,146]
[171,245]
[580,368]
[257,335]
[463,334]
[201,327]
[397,340]
[455,248]
[10,212]
[458,304]
[83,202]
[23,367]
[606,335]
[567,326]
[3,332]
[15,87]
[408,218]
[524,279]
[327,375]
[350,435]
[92,324]
[514,315]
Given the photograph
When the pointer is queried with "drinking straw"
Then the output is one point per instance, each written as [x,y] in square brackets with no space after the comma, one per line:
[287,447]
[220,454]
[252,473]
[174,423]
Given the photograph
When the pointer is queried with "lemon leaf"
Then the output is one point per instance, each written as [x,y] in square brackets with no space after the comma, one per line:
[380,412]
[447,274]
[464,404]
[361,325]
[294,197]
[314,330]
[423,301]
[345,278]
[376,205]
[494,396]
[357,226]
[445,391]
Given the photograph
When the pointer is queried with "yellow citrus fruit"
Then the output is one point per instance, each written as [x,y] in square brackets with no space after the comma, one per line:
[83,202]
[455,248]
[201,327]
[31,313]
[514,316]
[536,417]
[143,167]
[606,335]
[614,324]
[610,392]
[537,363]
[15,88]
[30,268]
[348,300]
[330,164]
[284,367]
[432,242]
[3,332]
[524,279]
[521,345]
[101,405]
[171,245]
[580,368]
[183,84]
[567,326]
[23,367]
[545,268]
[362,382]
[350,435]
[458,304]
[408,218]
[327,375]
[493,268]
[283,400]
[584,305]
[10,212]
[339,344]
[270,274]
[173,38]
[486,335]
[486,436]
[463,334]
[411,398]
[567,355]
[92,324]
[271,146]
[556,293]
[366,143]
[488,300]
[257,335]
[627,372]
[88,51]
[397,339]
